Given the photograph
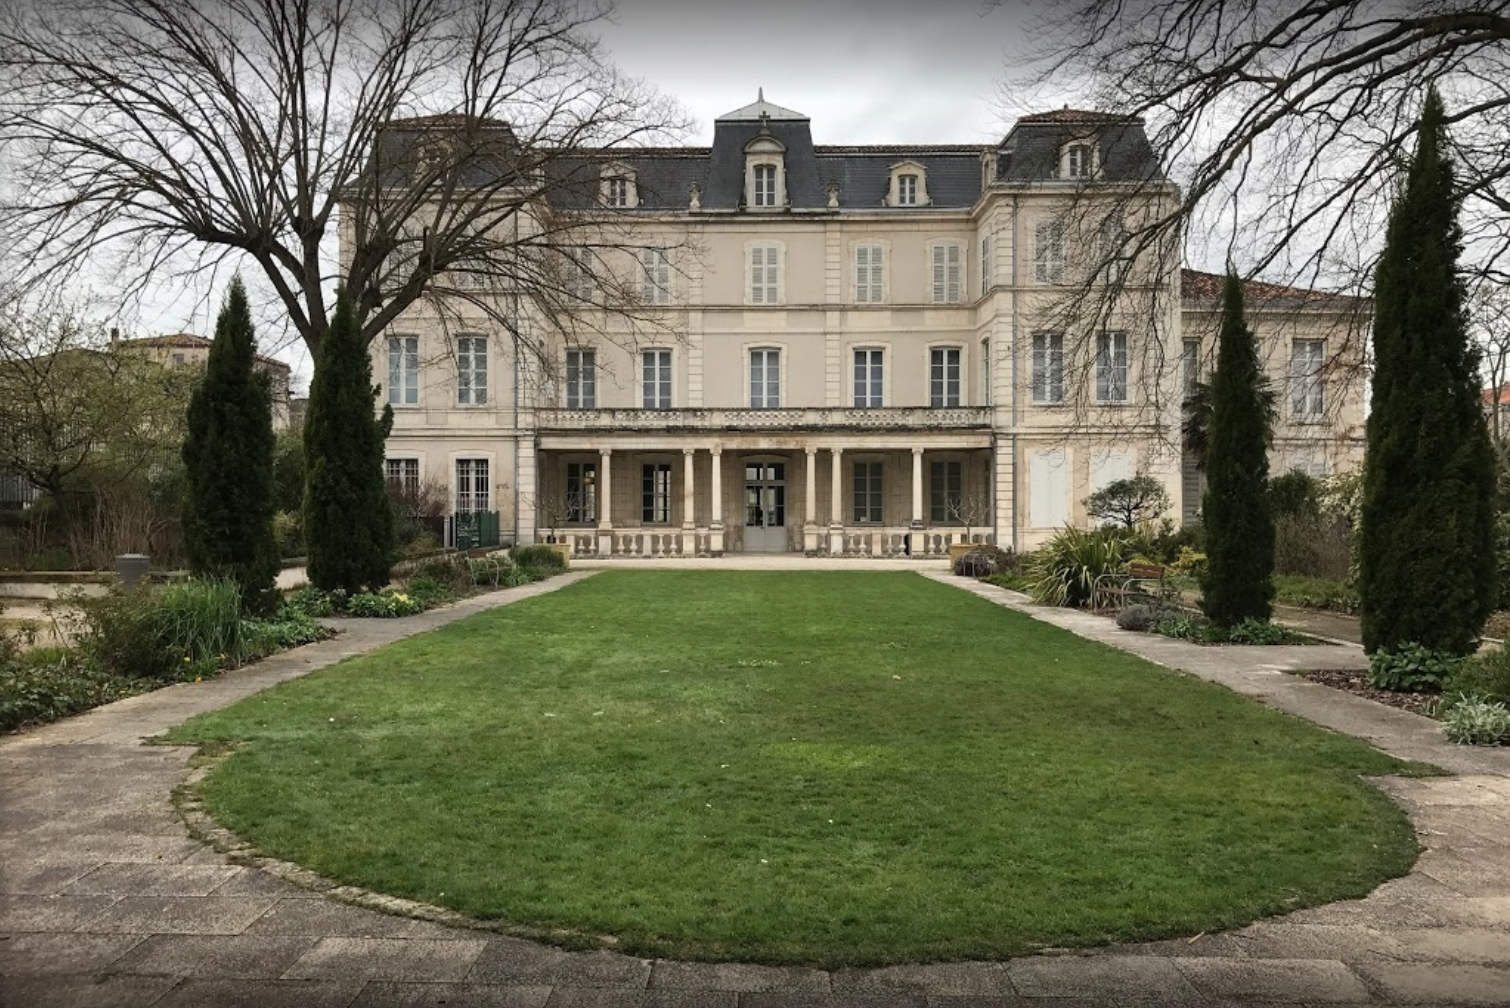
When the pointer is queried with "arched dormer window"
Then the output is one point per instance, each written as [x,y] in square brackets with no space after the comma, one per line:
[909,185]
[765,174]
[1079,159]
[618,188]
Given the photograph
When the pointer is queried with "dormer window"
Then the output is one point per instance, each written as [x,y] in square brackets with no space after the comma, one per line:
[618,187]
[1079,161]
[909,185]
[765,173]
[765,185]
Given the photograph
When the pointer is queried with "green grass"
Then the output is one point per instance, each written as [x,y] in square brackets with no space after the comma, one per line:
[820,768]
[1315,593]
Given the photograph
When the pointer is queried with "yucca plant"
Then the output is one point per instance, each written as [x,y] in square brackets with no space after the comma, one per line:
[1064,570]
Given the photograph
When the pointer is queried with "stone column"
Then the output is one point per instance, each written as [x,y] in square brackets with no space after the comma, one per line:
[810,515]
[915,537]
[689,527]
[716,526]
[836,504]
[605,503]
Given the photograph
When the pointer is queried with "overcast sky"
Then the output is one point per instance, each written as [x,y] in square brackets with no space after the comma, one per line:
[864,71]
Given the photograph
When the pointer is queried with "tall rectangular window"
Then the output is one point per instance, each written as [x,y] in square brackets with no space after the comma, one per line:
[618,192]
[655,379]
[867,493]
[945,273]
[1111,367]
[985,372]
[1048,252]
[576,277]
[581,379]
[870,265]
[473,490]
[907,190]
[403,370]
[943,377]
[1190,367]
[765,379]
[945,492]
[655,279]
[402,473]
[985,266]
[765,185]
[471,371]
[869,374]
[765,286]
[1307,400]
[1048,368]
[1114,239]
[655,493]
[581,493]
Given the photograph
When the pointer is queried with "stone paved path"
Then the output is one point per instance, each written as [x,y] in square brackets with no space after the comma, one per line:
[105,900]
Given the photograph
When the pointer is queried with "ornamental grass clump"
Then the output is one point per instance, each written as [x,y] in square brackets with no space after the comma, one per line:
[177,631]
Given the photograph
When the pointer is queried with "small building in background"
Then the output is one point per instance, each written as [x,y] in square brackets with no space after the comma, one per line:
[188,350]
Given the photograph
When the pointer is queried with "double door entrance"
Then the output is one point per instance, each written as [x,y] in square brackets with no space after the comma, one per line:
[765,507]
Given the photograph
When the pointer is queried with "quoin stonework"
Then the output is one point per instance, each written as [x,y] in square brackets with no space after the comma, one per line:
[855,350]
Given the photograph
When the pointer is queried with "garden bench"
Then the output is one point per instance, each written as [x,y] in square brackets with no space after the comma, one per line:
[1146,581]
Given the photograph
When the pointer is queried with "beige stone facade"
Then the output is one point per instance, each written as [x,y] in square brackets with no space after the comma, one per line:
[874,351]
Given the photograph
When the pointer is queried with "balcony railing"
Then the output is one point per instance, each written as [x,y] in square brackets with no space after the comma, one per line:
[801,418]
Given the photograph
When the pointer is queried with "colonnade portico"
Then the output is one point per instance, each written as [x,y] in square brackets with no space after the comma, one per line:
[637,508]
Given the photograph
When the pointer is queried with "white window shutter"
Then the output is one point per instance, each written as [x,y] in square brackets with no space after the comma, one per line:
[940,274]
[952,284]
[757,275]
[1048,478]
[1109,466]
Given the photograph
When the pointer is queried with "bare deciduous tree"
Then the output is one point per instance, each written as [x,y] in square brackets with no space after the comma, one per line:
[454,143]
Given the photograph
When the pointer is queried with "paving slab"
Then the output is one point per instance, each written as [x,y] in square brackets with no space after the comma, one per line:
[1317,981]
[515,961]
[203,915]
[381,994]
[974,979]
[194,993]
[603,997]
[50,913]
[1439,984]
[1100,976]
[326,918]
[772,999]
[84,992]
[117,879]
[62,954]
[214,957]
[739,977]
[387,959]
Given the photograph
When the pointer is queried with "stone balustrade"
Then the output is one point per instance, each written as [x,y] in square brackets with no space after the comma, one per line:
[897,418]
[850,541]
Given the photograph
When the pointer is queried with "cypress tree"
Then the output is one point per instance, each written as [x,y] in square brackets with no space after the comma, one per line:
[228,462]
[1426,558]
[348,526]
[1239,521]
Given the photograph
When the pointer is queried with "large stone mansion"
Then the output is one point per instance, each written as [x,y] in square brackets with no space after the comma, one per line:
[873,351]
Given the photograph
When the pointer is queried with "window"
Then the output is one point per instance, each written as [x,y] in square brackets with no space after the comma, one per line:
[402,473]
[943,377]
[945,492]
[1048,368]
[765,185]
[985,266]
[655,284]
[1078,161]
[985,372]
[1113,239]
[1190,367]
[908,185]
[655,379]
[1306,399]
[581,379]
[581,493]
[869,372]
[472,491]
[764,276]
[867,493]
[1048,488]
[870,265]
[178,358]
[616,193]
[1111,367]
[655,493]
[946,273]
[472,371]
[403,370]
[1048,252]
[765,379]
[576,278]
[907,190]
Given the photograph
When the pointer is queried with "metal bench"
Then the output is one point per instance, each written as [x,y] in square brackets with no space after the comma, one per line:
[1144,582]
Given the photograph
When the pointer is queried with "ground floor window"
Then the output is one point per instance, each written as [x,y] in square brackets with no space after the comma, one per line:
[867,491]
[581,492]
[655,493]
[945,485]
[402,473]
[472,485]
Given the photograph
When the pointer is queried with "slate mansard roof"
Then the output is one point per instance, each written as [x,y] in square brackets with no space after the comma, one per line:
[665,176]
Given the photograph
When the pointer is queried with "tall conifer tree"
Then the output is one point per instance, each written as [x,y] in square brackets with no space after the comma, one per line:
[228,461]
[348,525]
[1426,572]
[1239,521]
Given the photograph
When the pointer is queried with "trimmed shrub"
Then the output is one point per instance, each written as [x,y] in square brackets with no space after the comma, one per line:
[1065,569]
[541,558]
[1486,676]
[1252,631]
[1411,668]
[1474,721]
